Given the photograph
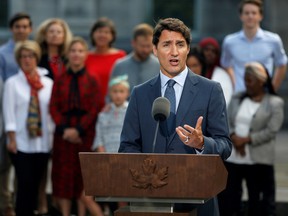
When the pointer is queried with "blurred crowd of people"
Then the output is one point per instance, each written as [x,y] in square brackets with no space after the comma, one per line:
[60,97]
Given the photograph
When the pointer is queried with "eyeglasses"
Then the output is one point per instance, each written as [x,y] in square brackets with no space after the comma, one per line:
[30,56]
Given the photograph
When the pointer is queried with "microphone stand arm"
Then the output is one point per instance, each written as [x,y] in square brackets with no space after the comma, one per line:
[155,136]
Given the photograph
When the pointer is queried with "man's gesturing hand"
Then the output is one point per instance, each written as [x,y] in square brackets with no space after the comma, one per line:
[190,136]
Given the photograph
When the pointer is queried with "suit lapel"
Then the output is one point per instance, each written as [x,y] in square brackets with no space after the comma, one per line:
[153,94]
[155,90]
[190,90]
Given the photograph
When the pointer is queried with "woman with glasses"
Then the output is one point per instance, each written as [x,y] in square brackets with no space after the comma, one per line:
[28,124]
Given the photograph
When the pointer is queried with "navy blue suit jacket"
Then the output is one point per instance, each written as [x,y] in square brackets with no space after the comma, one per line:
[200,97]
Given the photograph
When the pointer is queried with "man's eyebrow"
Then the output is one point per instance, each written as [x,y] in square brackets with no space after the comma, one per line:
[167,41]
[170,41]
[180,41]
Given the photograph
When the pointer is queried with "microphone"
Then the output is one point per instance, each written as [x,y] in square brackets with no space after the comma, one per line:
[160,112]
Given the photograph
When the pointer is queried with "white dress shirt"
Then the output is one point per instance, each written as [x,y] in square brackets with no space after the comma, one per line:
[178,87]
[16,101]
[221,76]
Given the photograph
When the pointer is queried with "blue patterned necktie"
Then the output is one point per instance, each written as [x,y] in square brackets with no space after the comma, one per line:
[170,95]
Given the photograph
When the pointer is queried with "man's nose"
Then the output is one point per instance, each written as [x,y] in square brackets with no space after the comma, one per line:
[22,29]
[174,50]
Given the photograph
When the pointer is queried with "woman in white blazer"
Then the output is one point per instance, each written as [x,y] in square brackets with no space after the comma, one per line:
[27,124]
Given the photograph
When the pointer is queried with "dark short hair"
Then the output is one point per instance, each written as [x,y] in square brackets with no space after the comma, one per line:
[198,54]
[142,29]
[258,3]
[103,22]
[171,24]
[19,16]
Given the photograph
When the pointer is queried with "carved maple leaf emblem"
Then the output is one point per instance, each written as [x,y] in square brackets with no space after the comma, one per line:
[149,177]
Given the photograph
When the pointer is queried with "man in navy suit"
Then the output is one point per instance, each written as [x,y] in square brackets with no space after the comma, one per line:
[200,109]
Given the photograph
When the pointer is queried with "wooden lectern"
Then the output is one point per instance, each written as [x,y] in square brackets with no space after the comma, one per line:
[152,183]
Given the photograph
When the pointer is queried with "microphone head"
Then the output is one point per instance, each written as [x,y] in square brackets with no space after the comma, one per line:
[161,109]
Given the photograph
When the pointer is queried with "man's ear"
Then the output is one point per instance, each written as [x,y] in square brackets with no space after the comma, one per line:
[31,29]
[189,47]
[132,43]
[261,17]
[155,50]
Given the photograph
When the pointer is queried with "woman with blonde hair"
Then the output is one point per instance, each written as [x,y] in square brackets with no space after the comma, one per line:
[28,124]
[53,36]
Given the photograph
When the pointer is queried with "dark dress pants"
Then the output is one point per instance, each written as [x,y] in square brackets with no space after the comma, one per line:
[266,179]
[29,169]
[230,200]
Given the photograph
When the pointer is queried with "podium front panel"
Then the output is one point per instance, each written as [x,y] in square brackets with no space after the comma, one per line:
[152,176]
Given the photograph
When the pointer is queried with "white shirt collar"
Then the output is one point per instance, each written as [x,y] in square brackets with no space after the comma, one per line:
[259,34]
[180,78]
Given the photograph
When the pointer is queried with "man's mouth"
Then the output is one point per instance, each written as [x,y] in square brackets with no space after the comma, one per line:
[174,62]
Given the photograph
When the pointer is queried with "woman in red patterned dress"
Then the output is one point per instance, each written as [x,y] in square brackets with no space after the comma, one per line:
[101,60]
[74,107]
